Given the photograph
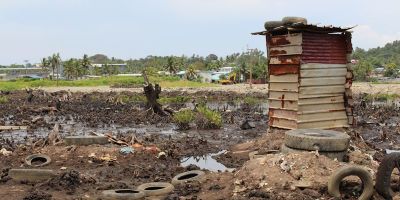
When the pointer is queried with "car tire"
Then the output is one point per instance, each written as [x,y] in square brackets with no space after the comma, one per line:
[156,189]
[122,194]
[316,139]
[269,25]
[339,155]
[293,20]
[31,158]
[194,175]
[384,174]
[340,174]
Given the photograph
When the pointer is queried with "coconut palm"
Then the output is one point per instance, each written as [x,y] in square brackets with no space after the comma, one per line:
[70,69]
[54,61]
[45,64]
[86,64]
[171,66]
[191,73]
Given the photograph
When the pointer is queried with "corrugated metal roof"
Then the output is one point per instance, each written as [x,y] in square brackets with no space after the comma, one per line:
[299,27]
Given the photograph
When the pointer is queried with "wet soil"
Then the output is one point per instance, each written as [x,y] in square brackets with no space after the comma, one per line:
[84,171]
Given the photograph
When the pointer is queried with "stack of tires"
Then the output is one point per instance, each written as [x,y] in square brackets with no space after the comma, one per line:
[286,21]
[332,144]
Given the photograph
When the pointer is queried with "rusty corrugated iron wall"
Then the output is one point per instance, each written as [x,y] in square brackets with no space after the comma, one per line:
[310,80]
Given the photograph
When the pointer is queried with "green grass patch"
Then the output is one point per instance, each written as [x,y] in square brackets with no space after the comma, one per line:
[3,99]
[183,118]
[208,119]
[164,81]
[382,97]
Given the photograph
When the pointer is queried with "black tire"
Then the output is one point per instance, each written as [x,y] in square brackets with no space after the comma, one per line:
[45,159]
[384,174]
[156,188]
[339,155]
[194,175]
[340,174]
[269,25]
[293,20]
[316,139]
[122,194]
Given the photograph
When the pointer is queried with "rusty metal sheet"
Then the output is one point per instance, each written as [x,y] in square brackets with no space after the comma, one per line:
[331,72]
[286,50]
[282,123]
[276,95]
[284,40]
[326,107]
[285,60]
[324,48]
[321,116]
[283,114]
[322,81]
[321,100]
[283,69]
[286,78]
[283,104]
[339,123]
[331,89]
[322,66]
[284,87]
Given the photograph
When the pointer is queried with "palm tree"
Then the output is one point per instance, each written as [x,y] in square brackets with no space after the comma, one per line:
[86,64]
[70,68]
[171,66]
[191,73]
[55,61]
[45,64]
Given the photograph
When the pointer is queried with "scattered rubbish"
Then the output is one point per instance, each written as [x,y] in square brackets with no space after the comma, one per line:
[5,152]
[126,150]
[162,155]
[206,162]
[389,151]
[247,125]
[63,168]
[4,128]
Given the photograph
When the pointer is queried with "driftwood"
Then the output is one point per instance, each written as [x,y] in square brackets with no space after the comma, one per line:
[152,95]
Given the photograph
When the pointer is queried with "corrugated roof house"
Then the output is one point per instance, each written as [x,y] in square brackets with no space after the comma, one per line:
[310,76]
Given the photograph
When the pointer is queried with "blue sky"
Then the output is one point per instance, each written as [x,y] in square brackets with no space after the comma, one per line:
[32,29]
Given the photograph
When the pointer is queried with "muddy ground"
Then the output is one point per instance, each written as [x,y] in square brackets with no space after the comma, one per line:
[84,171]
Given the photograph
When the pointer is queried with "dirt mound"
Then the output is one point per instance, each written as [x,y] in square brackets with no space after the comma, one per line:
[67,181]
[281,176]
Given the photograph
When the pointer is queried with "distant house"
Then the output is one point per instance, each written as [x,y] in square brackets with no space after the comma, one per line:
[215,76]
[121,67]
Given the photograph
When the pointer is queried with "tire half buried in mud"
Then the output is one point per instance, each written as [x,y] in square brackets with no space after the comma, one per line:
[316,139]
[32,160]
[384,174]
[339,155]
[340,174]
[194,175]
[122,194]
[158,189]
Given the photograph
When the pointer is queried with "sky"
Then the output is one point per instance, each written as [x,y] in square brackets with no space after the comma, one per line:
[33,29]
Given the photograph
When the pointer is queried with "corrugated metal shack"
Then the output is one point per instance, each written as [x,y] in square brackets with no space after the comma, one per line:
[310,76]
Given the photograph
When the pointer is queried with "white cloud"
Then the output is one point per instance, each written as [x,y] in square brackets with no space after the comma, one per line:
[366,37]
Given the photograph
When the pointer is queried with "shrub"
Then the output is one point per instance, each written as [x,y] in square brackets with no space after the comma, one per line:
[3,99]
[208,119]
[183,118]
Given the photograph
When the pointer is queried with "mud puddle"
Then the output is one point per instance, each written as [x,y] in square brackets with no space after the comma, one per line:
[206,162]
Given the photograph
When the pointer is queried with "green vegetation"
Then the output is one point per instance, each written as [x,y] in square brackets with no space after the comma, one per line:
[3,99]
[382,97]
[208,119]
[387,57]
[177,99]
[183,118]
[164,81]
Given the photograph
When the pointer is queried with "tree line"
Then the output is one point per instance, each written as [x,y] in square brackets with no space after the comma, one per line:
[387,57]
[75,68]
